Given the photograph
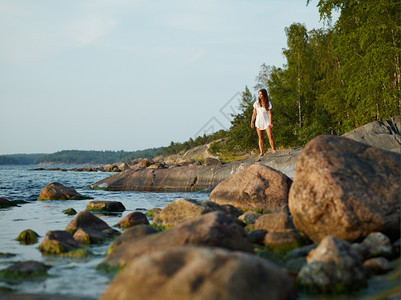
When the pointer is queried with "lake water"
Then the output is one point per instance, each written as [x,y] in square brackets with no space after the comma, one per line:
[74,277]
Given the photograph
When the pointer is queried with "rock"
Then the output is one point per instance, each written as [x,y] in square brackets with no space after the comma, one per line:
[378,245]
[61,243]
[123,167]
[190,178]
[200,273]
[28,237]
[5,203]
[258,187]
[378,265]
[333,267]
[70,211]
[210,161]
[57,191]
[231,210]
[153,213]
[89,229]
[111,168]
[214,229]
[105,206]
[345,189]
[144,163]
[276,222]
[249,217]
[133,219]
[131,235]
[283,242]
[182,209]
[302,251]
[381,134]
[257,236]
[29,269]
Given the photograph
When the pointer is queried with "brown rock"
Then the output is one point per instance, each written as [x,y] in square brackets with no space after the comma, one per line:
[87,220]
[257,187]
[133,219]
[57,191]
[345,189]
[214,229]
[182,209]
[200,273]
[105,206]
[210,161]
[58,242]
[378,265]
[144,163]
[378,244]
[283,242]
[276,222]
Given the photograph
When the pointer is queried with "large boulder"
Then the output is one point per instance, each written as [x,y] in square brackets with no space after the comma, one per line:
[383,134]
[346,189]
[57,191]
[214,229]
[183,209]
[200,273]
[334,266]
[257,187]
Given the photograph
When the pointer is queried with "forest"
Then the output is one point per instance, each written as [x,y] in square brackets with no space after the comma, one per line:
[334,80]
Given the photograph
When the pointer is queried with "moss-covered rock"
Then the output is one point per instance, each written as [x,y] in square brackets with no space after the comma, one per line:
[28,237]
[61,243]
[5,203]
[24,270]
[105,206]
[70,211]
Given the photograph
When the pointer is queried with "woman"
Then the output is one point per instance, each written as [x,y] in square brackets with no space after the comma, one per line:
[262,113]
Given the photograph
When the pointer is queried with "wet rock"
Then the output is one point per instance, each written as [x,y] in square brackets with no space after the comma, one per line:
[61,243]
[29,269]
[378,244]
[283,242]
[345,189]
[133,219]
[214,229]
[182,209]
[200,273]
[249,217]
[57,191]
[257,187]
[93,229]
[5,203]
[105,206]
[333,267]
[70,211]
[378,265]
[28,237]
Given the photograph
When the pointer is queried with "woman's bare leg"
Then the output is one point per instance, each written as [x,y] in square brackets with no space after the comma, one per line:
[270,136]
[260,135]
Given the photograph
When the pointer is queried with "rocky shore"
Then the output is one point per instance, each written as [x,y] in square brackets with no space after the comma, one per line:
[320,220]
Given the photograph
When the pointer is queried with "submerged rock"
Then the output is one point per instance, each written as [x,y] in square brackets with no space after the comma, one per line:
[61,243]
[57,191]
[5,203]
[105,206]
[200,273]
[70,211]
[346,189]
[28,237]
[29,269]
[257,187]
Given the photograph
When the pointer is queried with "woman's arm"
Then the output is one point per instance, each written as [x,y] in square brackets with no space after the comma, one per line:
[269,113]
[253,118]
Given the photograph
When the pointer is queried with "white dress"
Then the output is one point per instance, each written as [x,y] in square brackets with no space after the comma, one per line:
[262,118]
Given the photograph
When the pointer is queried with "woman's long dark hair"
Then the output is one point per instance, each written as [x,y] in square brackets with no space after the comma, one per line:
[264,93]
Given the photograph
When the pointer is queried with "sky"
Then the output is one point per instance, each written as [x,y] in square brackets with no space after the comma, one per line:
[132,74]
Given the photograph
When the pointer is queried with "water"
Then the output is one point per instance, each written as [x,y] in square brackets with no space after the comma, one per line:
[73,277]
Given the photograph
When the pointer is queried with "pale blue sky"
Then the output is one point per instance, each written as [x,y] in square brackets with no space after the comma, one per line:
[131,74]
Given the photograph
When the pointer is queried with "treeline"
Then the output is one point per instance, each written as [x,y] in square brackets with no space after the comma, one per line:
[77,157]
[334,79]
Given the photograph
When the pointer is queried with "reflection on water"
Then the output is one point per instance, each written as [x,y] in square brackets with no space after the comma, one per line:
[67,276]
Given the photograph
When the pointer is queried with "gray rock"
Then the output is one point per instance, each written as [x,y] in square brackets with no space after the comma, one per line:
[378,244]
[378,265]
[200,273]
